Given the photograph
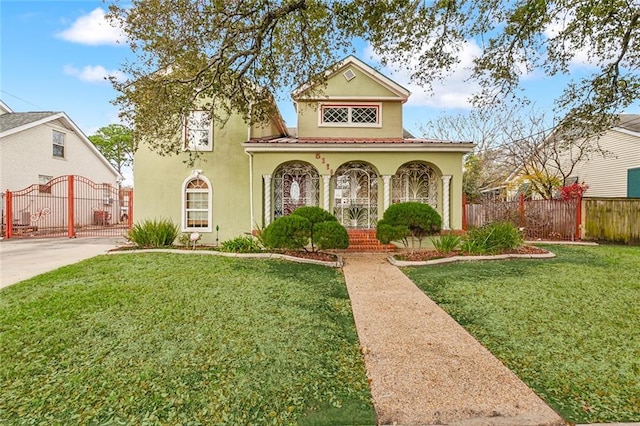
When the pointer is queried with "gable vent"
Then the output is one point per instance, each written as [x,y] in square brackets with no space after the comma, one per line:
[349,74]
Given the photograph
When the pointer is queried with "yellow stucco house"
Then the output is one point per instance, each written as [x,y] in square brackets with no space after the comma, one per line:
[348,155]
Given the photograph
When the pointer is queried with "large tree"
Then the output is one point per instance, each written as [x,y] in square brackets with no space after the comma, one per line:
[221,49]
[116,143]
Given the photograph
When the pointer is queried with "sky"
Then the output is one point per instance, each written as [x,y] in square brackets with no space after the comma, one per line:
[55,55]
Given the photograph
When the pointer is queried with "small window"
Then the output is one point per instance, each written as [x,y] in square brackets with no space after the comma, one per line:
[356,116]
[197,205]
[58,144]
[197,132]
[43,186]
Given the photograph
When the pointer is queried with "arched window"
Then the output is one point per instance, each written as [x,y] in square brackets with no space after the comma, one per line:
[415,182]
[295,184]
[196,204]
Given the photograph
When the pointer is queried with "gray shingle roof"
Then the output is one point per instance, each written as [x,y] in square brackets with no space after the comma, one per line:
[17,119]
[630,122]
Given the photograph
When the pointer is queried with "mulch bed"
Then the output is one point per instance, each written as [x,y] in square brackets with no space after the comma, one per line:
[424,255]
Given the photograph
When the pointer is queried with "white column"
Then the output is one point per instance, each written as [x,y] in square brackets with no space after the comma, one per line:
[326,179]
[386,180]
[267,199]
[446,215]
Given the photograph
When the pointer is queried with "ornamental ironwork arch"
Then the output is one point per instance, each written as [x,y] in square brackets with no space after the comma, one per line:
[356,195]
[415,182]
[295,184]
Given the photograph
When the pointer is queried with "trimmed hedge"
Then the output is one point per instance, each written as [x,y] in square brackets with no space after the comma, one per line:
[304,226]
[404,220]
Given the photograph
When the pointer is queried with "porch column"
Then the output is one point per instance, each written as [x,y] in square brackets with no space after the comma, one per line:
[446,216]
[267,199]
[386,180]
[326,179]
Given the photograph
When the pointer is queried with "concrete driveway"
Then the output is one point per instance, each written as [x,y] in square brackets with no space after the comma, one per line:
[25,258]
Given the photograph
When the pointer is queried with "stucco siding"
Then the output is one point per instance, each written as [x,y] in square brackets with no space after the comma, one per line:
[326,163]
[29,153]
[308,120]
[158,183]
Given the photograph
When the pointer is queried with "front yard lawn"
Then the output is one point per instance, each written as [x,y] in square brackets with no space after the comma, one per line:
[154,338]
[568,327]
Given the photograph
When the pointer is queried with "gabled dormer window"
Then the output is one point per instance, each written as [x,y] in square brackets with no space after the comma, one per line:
[197,132]
[350,115]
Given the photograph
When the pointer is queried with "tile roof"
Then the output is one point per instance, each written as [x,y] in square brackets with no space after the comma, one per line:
[343,141]
[12,120]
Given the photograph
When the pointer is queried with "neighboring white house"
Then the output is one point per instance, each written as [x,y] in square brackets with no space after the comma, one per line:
[38,146]
[615,174]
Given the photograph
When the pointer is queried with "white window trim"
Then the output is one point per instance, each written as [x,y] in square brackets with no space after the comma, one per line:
[186,145]
[64,144]
[350,105]
[197,174]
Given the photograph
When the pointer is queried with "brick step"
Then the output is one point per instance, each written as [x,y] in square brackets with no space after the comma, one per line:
[364,240]
[371,248]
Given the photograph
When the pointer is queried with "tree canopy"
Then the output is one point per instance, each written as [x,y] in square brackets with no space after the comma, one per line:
[189,50]
[116,143]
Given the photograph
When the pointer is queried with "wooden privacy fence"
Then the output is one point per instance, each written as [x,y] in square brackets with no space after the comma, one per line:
[72,206]
[539,219]
[612,219]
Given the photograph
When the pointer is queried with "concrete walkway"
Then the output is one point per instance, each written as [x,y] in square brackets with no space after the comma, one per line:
[25,258]
[424,367]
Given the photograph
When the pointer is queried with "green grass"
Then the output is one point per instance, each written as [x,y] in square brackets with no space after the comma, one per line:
[568,327]
[173,339]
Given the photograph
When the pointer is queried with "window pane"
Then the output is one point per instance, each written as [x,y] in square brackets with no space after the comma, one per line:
[58,151]
[58,138]
[198,125]
[364,115]
[197,219]
[335,115]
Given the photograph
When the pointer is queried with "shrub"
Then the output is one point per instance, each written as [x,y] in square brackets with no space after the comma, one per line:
[331,235]
[446,243]
[306,225]
[288,232]
[411,219]
[315,215]
[153,233]
[241,244]
[493,238]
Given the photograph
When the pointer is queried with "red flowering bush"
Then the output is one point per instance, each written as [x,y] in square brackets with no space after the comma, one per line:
[571,192]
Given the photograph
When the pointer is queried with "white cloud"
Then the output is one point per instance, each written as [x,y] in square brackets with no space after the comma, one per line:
[93,29]
[94,74]
[454,91]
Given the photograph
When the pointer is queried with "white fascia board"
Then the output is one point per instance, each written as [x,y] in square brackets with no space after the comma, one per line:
[260,147]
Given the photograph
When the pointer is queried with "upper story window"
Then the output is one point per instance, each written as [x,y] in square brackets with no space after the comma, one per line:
[350,115]
[58,144]
[197,132]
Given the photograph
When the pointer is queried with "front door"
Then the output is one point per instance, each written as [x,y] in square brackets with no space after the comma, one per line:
[356,195]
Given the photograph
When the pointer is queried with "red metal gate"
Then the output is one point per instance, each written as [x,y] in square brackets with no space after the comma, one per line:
[72,206]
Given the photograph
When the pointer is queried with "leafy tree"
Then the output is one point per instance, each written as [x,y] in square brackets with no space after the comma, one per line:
[116,143]
[190,50]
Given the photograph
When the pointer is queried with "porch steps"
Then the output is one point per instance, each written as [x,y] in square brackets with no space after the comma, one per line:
[364,240]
